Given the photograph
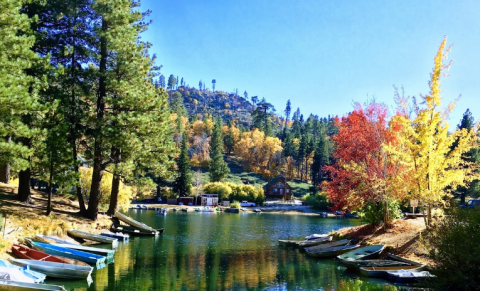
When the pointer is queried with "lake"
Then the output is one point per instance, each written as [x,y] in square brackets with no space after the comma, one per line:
[221,251]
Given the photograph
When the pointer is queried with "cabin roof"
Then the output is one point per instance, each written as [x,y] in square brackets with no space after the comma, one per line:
[274,180]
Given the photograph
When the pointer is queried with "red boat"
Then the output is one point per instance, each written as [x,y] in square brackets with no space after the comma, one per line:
[24,252]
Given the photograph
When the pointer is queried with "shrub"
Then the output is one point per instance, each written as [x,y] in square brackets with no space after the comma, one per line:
[317,201]
[235,204]
[230,191]
[453,244]
[373,213]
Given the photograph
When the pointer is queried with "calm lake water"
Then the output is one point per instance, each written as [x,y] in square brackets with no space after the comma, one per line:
[221,251]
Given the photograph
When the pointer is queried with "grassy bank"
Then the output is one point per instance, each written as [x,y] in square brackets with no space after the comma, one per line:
[27,220]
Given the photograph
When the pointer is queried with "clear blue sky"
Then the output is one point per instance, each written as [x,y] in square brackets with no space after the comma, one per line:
[323,55]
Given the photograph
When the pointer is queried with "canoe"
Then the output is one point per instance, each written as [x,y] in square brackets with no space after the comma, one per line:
[108,254]
[314,242]
[35,276]
[337,243]
[24,252]
[332,252]
[20,286]
[120,236]
[383,271]
[69,253]
[141,226]
[93,237]
[56,270]
[362,253]
[404,276]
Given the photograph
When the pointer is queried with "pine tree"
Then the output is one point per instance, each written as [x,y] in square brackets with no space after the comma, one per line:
[217,169]
[183,183]
[171,82]
[213,85]
[320,159]
[161,81]
[176,104]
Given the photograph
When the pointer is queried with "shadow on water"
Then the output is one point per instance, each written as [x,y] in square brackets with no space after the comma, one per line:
[221,251]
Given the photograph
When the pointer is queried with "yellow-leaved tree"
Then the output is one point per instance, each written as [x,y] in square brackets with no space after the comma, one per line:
[434,156]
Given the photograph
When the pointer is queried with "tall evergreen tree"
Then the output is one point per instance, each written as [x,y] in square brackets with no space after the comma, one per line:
[320,159]
[213,85]
[176,104]
[200,85]
[161,81]
[288,110]
[183,183]
[171,82]
[217,169]
[245,94]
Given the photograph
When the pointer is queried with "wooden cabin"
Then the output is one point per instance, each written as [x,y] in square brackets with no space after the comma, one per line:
[278,188]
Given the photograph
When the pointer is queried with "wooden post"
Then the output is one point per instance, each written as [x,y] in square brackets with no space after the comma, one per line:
[5,225]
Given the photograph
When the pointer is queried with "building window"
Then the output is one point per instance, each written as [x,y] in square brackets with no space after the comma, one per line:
[275,190]
[287,190]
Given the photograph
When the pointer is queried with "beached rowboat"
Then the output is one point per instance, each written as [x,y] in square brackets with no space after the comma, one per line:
[383,271]
[132,222]
[69,253]
[120,236]
[314,242]
[337,243]
[22,286]
[108,254]
[332,252]
[93,237]
[56,270]
[31,275]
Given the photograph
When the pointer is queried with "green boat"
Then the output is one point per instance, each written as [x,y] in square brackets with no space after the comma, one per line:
[337,243]
[363,253]
[93,237]
[314,242]
[108,254]
[332,252]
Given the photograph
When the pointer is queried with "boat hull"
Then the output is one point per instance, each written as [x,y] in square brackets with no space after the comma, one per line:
[69,253]
[120,236]
[108,254]
[56,270]
[93,237]
[141,226]
[332,252]
[342,242]
[382,272]
[19,286]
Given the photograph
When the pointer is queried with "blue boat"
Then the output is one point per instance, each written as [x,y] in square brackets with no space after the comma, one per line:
[90,258]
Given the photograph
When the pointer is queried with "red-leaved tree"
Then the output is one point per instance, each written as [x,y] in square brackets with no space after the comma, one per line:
[364,171]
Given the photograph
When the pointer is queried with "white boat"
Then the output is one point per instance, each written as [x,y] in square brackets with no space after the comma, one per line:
[315,236]
[93,237]
[56,270]
[406,276]
[22,286]
[35,276]
[59,240]
[144,207]
[120,236]
[132,222]
[14,274]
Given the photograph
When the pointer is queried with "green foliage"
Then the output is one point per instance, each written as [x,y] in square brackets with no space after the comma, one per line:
[176,104]
[359,285]
[239,192]
[217,168]
[373,213]
[171,82]
[318,201]
[235,204]
[183,183]
[454,247]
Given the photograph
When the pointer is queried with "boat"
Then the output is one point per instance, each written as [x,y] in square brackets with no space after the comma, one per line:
[363,253]
[337,243]
[315,236]
[138,207]
[356,265]
[383,271]
[332,252]
[162,211]
[22,286]
[405,276]
[69,253]
[184,209]
[24,252]
[14,274]
[120,236]
[131,230]
[144,207]
[141,226]
[54,239]
[35,276]
[257,210]
[108,254]
[93,237]
[314,242]
[56,270]
[176,209]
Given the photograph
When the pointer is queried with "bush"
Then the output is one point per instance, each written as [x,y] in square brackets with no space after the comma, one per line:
[317,201]
[373,213]
[453,244]
[235,204]
[230,191]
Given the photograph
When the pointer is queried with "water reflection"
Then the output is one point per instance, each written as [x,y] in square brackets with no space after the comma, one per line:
[210,251]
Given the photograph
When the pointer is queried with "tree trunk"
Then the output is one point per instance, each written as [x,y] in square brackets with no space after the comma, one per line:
[24,186]
[97,174]
[50,187]
[116,153]
[5,173]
